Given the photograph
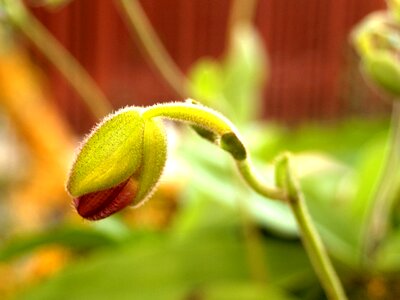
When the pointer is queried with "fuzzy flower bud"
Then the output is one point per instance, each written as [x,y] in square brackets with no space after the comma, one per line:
[118,164]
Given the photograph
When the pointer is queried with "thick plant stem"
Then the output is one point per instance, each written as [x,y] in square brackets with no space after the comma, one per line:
[76,75]
[191,113]
[315,249]
[377,222]
[289,192]
[310,237]
[152,46]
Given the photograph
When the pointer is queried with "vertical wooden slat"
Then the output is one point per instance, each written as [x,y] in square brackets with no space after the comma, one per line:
[186,31]
[312,68]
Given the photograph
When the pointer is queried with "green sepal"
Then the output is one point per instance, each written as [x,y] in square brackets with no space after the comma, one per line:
[205,134]
[232,144]
[153,160]
[109,155]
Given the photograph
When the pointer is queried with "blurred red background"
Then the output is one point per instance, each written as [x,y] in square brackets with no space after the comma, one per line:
[313,69]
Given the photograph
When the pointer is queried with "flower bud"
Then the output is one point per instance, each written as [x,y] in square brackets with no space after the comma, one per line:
[377,41]
[118,164]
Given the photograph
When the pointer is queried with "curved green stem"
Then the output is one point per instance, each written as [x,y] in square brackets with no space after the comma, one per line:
[249,174]
[377,222]
[194,114]
[310,237]
[287,189]
[79,79]
[289,192]
[315,249]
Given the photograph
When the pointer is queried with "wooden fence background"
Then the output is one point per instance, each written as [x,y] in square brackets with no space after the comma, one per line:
[314,71]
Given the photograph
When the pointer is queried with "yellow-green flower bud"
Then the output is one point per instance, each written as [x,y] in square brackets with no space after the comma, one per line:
[118,164]
[377,41]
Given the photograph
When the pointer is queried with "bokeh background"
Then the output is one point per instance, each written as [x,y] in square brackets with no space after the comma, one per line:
[314,68]
[283,71]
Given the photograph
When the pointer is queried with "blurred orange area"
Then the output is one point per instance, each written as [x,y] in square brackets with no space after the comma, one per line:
[40,197]
[32,269]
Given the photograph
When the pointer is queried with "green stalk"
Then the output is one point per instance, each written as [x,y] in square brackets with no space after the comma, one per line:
[153,48]
[377,222]
[225,135]
[191,113]
[315,249]
[76,75]
[310,237]
[248,173]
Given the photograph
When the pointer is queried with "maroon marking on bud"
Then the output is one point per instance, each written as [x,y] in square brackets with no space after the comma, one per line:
[99,205]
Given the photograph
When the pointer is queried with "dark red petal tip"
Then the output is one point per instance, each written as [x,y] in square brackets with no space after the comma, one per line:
[99,205]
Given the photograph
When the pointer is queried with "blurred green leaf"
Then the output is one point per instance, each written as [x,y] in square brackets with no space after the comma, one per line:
[206,82]
[342,140]
[242,290]
[366,175]
[205,252]
[245,70]
[104,233]
[338,198]
[233,85]
[73,237]
[214,177]
[206,262]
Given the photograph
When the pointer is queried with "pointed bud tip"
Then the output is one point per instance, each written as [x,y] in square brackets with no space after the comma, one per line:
[99,205]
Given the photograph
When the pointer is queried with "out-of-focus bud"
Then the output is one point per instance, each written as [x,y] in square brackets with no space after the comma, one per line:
[394,8]
[377,41]
[118,164]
